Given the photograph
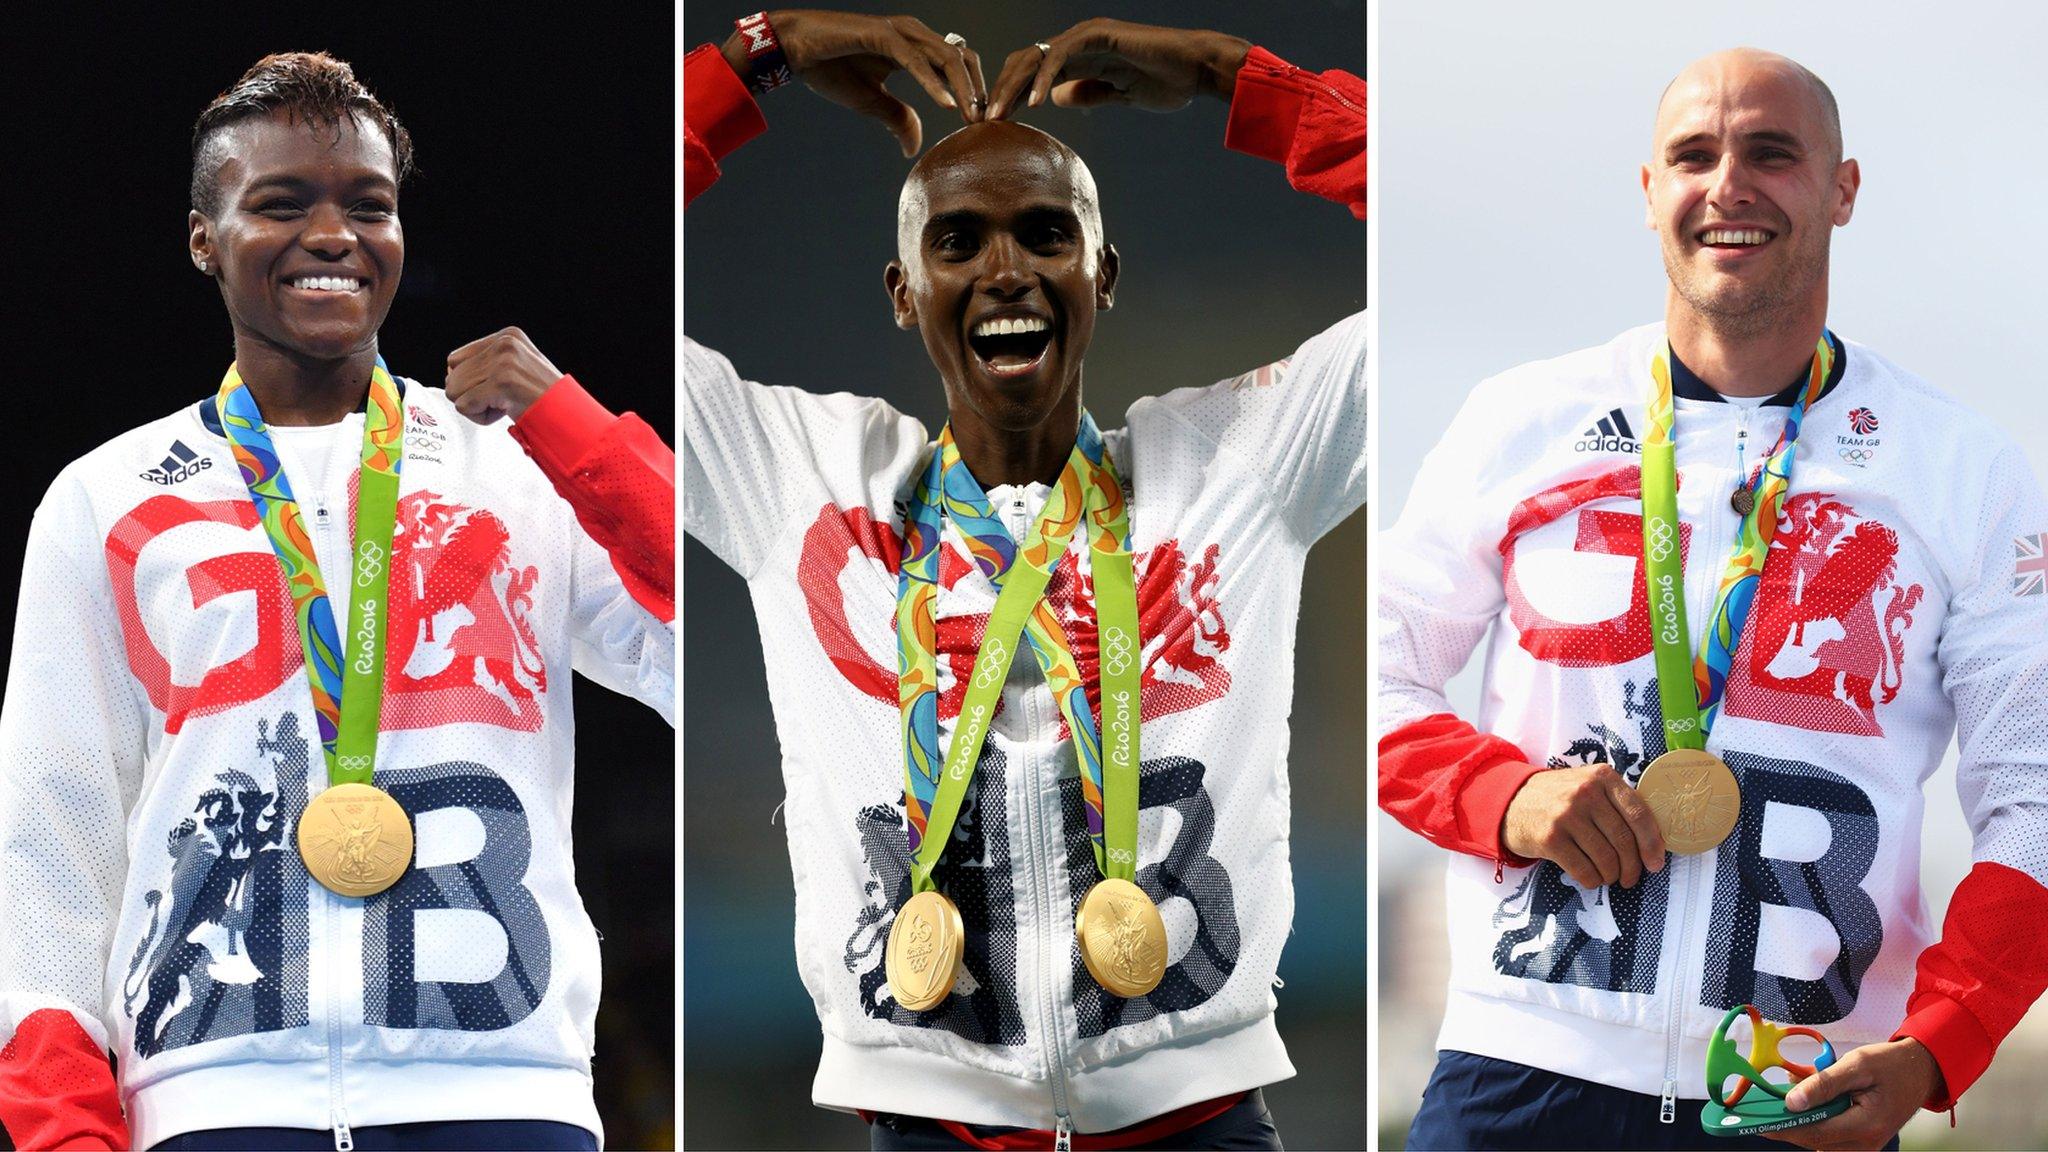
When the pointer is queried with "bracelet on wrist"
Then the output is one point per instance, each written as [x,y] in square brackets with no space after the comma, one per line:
[767,67]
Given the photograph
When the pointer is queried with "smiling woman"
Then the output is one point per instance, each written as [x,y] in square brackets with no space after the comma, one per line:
[308,643]
[295,175]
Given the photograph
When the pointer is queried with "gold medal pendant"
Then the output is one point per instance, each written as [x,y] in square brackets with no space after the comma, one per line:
[923,957]
[1695,799]
[355,840]
[1123,940]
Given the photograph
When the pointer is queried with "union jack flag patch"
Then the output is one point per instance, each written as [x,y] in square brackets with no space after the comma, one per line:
[2030,565]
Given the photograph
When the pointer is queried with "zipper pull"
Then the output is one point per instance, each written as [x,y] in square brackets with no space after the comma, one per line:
[344,1140]
[1062,1135]
[1667,1105]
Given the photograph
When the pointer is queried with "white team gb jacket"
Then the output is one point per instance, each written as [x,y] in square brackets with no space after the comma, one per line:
[1902,600]
[159,742]
[1228,486]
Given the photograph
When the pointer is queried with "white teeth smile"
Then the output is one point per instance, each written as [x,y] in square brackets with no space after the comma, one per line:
[327,283]
[1009,327]
[1743,237]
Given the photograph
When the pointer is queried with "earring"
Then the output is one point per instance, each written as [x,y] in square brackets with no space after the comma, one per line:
[202,266]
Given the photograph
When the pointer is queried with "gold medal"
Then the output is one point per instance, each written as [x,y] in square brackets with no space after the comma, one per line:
[1123,940]
[355,840]
[923,957]
[1695,799]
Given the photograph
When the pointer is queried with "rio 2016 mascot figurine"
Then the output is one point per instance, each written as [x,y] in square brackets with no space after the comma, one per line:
[1726,1113]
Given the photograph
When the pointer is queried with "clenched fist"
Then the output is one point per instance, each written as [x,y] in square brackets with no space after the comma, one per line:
[1589,821]
[499,375]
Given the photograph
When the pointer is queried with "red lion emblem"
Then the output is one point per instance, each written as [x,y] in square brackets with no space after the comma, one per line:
[1178,615]
[461,645]
[1825,641]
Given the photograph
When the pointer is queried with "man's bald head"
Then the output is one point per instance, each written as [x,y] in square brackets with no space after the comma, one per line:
[1737,67]
[996,156]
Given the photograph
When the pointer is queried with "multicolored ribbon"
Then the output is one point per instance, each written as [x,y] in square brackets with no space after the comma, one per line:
[1087,492]
[347,683]
[1687,722]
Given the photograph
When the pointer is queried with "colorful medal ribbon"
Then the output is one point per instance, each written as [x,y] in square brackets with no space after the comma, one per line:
[933,791]
[1688,720]
[347,684]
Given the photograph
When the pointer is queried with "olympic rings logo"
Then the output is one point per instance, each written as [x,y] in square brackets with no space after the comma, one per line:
[1659,536]
[991,670]
[1116,652]
[1858,455]
[1685,724]
[369,563]
[353,763]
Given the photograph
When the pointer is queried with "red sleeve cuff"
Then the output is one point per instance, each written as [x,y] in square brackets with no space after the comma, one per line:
[56,1088]
[1956,1041]
[562,426]
[1265,107]
[1451,784]
[1484,803]
[716,104]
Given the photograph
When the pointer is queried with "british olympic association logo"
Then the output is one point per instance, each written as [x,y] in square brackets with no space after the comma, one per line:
[1660,539]
[1116,652]
[991,664]
[1862,421]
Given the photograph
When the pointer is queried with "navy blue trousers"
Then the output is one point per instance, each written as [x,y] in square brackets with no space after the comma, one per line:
[1479,1102]
[458,1135]
[1246,1125]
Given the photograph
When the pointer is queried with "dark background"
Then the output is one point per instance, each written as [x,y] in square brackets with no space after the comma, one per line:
[1224,268]
[544,199]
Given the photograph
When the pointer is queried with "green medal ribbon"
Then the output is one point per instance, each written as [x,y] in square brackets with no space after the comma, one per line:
[347,682]
[1087,491]
[1689,715]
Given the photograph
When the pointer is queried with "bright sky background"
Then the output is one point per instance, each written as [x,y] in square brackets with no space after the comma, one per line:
[1511,217]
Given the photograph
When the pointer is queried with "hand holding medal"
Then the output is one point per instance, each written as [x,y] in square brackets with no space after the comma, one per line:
[1694,793]
[354,838]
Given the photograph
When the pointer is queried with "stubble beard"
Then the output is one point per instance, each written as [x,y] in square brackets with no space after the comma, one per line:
[1741,311]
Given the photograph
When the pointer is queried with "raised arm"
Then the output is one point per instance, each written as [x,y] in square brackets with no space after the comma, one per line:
[842,56]
[1313,122]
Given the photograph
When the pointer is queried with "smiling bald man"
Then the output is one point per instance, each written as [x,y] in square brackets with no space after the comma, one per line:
[1733,628]
[1031,682]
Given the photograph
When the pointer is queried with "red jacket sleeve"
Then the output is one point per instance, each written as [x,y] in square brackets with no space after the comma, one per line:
[621,480]
[1312,122]
[1975,983]
[719,115]
[56,1088]
[1450,784]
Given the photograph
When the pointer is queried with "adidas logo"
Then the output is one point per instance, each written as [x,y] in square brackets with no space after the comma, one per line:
[1610,434]
[183,463]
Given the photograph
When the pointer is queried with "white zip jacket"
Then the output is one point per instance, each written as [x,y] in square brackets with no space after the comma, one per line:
[159,742]
[1228,486]
[1902,601]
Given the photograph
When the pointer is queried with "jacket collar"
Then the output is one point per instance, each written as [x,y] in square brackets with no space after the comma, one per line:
[209,412]
[1685,385]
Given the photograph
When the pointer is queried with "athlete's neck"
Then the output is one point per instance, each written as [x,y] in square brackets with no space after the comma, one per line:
[1745,360]
[292,389]
[1034,455]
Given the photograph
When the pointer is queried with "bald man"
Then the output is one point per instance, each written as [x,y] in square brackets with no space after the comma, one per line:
[893,577]
[1797,569]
